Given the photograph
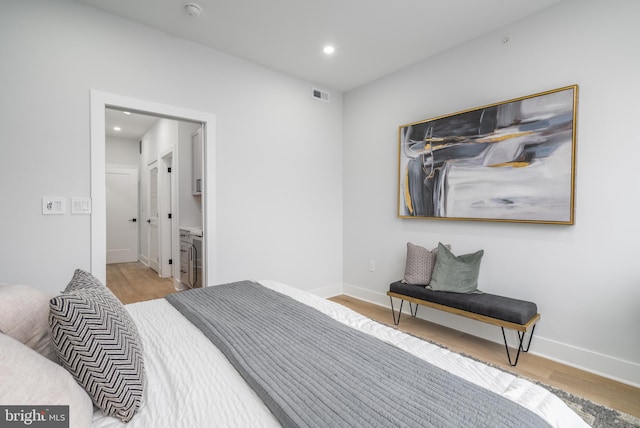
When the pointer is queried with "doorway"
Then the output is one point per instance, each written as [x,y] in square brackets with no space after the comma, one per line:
[99,103]
[139,155]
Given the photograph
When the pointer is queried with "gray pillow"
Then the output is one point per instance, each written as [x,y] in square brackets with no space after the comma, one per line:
[97,341]
[419,264]
[458,274]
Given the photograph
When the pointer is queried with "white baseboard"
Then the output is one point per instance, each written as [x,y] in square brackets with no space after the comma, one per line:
[328,291]
[603,365]
[178,285]
[610,367]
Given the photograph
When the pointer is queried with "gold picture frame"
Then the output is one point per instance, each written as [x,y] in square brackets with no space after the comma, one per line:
[512,161]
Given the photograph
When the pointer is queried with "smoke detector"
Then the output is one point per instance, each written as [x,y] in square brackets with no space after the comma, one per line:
[193,9]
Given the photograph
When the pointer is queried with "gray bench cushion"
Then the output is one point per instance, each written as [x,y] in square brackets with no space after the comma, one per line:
[490,305]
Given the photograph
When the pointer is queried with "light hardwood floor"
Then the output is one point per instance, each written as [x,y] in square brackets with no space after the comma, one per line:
[133,282]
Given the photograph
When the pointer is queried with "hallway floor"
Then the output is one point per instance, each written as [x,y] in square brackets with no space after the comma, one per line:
[135,282]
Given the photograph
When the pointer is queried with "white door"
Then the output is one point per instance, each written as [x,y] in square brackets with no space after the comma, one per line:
[154,238]
[122,213]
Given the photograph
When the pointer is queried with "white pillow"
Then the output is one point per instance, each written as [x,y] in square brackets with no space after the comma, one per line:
[24,314]
[27,378]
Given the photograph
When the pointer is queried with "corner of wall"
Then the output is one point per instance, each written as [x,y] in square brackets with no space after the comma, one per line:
[328,291]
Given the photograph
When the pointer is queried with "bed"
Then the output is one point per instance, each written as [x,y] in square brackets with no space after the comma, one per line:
[189,382]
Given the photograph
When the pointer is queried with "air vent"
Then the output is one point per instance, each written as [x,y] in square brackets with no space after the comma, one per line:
[320,94]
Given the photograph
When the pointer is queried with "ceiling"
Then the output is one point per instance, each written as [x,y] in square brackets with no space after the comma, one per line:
[132,126]
[372,38]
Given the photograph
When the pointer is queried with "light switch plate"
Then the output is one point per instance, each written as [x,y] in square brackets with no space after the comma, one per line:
[54,205]
[80,205]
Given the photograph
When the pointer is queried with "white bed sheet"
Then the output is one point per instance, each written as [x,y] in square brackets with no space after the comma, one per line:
[190,383]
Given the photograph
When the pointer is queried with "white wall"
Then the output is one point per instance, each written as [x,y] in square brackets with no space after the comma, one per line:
[162,136]
[584,278]
[279,211]
[121,151]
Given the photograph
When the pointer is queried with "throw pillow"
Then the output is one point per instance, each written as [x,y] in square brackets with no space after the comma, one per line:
[97,341]
[458,274]
[28,378]
[83,280]
[419,264]
[24,313]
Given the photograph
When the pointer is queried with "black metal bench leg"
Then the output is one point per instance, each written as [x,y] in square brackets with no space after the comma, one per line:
[414,312]
[393,312]
[521,336]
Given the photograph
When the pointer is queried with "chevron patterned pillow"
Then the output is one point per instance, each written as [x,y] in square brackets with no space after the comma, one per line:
[83,280]
[98,342]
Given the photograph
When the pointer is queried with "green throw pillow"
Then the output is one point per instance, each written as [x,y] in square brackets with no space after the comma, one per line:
[458,274]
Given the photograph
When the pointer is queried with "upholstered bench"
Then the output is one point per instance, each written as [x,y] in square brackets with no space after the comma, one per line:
[505,312]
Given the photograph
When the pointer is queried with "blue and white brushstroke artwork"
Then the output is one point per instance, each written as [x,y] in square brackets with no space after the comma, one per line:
[509,162]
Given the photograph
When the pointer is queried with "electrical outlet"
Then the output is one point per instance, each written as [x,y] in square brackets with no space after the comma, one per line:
[53,205]
[372,266]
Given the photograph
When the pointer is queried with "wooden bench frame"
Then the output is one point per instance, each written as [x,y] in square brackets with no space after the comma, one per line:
[521,329]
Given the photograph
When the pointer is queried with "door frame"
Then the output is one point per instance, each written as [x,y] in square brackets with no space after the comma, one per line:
[153,220]
[167,194]
[99,102]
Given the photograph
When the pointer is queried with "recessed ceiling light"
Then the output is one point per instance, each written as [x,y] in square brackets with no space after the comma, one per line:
[329,50]
[128,113]
[116,128]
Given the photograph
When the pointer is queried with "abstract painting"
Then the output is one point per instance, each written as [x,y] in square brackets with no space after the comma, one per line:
[512,161]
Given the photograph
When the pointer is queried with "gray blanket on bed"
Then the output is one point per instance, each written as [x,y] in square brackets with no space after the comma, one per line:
[313,371]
